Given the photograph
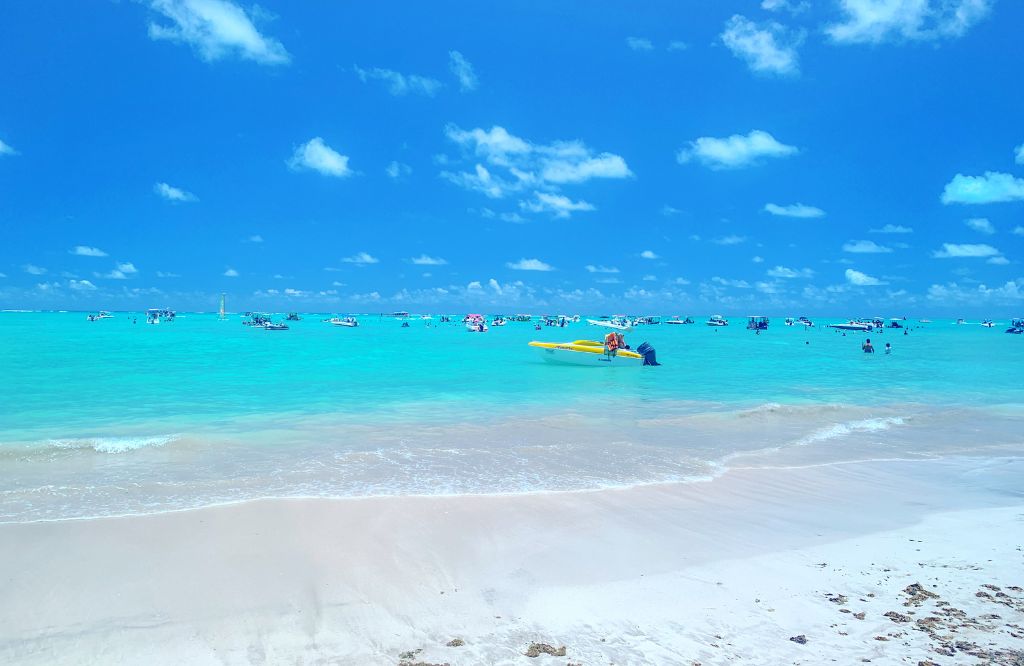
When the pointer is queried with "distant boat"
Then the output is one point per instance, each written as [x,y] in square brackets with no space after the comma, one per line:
[615,324]
[677,320]
[293,316]
[852,326]
[717,320]
[757,323]
[988,323]
[347,322]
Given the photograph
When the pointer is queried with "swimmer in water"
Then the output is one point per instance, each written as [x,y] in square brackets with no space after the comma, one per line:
[867,347]
[888,348]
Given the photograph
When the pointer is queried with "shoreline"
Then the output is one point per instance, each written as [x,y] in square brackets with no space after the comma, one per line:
[611,574]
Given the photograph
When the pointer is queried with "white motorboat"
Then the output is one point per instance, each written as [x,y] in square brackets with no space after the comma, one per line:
[852,326]
[717,320]
[347,322]
[614,324]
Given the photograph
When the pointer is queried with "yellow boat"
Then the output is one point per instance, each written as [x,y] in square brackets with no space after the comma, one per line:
[586,352]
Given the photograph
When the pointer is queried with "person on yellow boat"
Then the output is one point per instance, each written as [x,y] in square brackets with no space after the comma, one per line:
[613,342]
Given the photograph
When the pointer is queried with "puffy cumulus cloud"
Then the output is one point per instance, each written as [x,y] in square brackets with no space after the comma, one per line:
[981,225]
[892,229]
[998,261]
[397,169]
[86,251]
[1010,292]
[361,259]
[175,194]
[967,250]
[648,254]
[318,156]
[507,164]
[993,187]
[1018,153]
[426,260]
[32,269]
[757,259]
[865,247]
[791,6]
[874,21]
[726,282]
[557,204]
[858,279]
[81,285]
[463,71]
[639,44]
[399,84]
[529,265]
[601,269]
[6,149]
[736,151]
[215,29]
[766,47]
[1018,231]
[789,273]
[731,239]
[794,210]
[231,272]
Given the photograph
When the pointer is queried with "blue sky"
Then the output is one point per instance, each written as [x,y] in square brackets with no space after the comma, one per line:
[823,156]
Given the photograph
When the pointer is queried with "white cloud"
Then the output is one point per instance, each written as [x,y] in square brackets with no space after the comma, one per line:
[981,225]
[361,258]
[794,210]
[789,273]
[559,205]
[32,269]
[865,247]
[520,165]
[255,238]
[399,84]
[318,156]
[993,187]
[892,229]
[1018,231]
[163,274]
[1018,153]
[426,260]
[758,260]
[81,285]
[874,21]
[968,250]
[639,44]
[768,47]
[998,261]
[861,279]
[529,265]
[647,254]
[172,193]
[1010,292]
[397,169]
[231,272]
[739,284]
[127,268]
[216,28]
[601,269]
[463,71]
[791,6]
[6,149]
[669,211]
[86,251]
[731,239]
[649,278]
[735,151]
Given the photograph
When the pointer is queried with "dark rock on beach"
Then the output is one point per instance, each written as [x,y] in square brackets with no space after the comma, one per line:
[537,649]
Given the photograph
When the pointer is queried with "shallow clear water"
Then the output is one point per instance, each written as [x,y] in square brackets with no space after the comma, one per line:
[107,417]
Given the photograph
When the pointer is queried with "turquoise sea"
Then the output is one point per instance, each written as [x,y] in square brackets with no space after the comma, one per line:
[117,417]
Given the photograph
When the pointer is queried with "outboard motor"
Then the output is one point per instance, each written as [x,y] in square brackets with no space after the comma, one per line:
[647,351]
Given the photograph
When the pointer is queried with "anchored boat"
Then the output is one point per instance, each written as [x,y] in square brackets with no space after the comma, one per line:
[592,353]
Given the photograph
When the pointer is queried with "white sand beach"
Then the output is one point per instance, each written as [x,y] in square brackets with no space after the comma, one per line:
[880,562]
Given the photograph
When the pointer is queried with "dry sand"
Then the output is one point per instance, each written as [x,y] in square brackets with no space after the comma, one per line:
[722,572]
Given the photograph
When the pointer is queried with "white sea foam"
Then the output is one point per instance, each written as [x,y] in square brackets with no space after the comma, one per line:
[112,444]
[838,430]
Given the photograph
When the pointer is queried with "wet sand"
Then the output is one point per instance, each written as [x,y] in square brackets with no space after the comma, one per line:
[766,566]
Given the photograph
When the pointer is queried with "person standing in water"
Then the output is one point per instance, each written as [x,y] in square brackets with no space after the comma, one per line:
[867,347]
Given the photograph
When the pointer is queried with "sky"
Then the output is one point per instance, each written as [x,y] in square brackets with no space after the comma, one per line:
[784,157]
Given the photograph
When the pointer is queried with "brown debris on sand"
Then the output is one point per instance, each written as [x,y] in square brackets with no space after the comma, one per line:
[918,594]
[455,642]
[899,618]
[537,649]
[801,639]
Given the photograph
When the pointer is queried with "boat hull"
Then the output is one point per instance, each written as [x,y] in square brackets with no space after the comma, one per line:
[586,353]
